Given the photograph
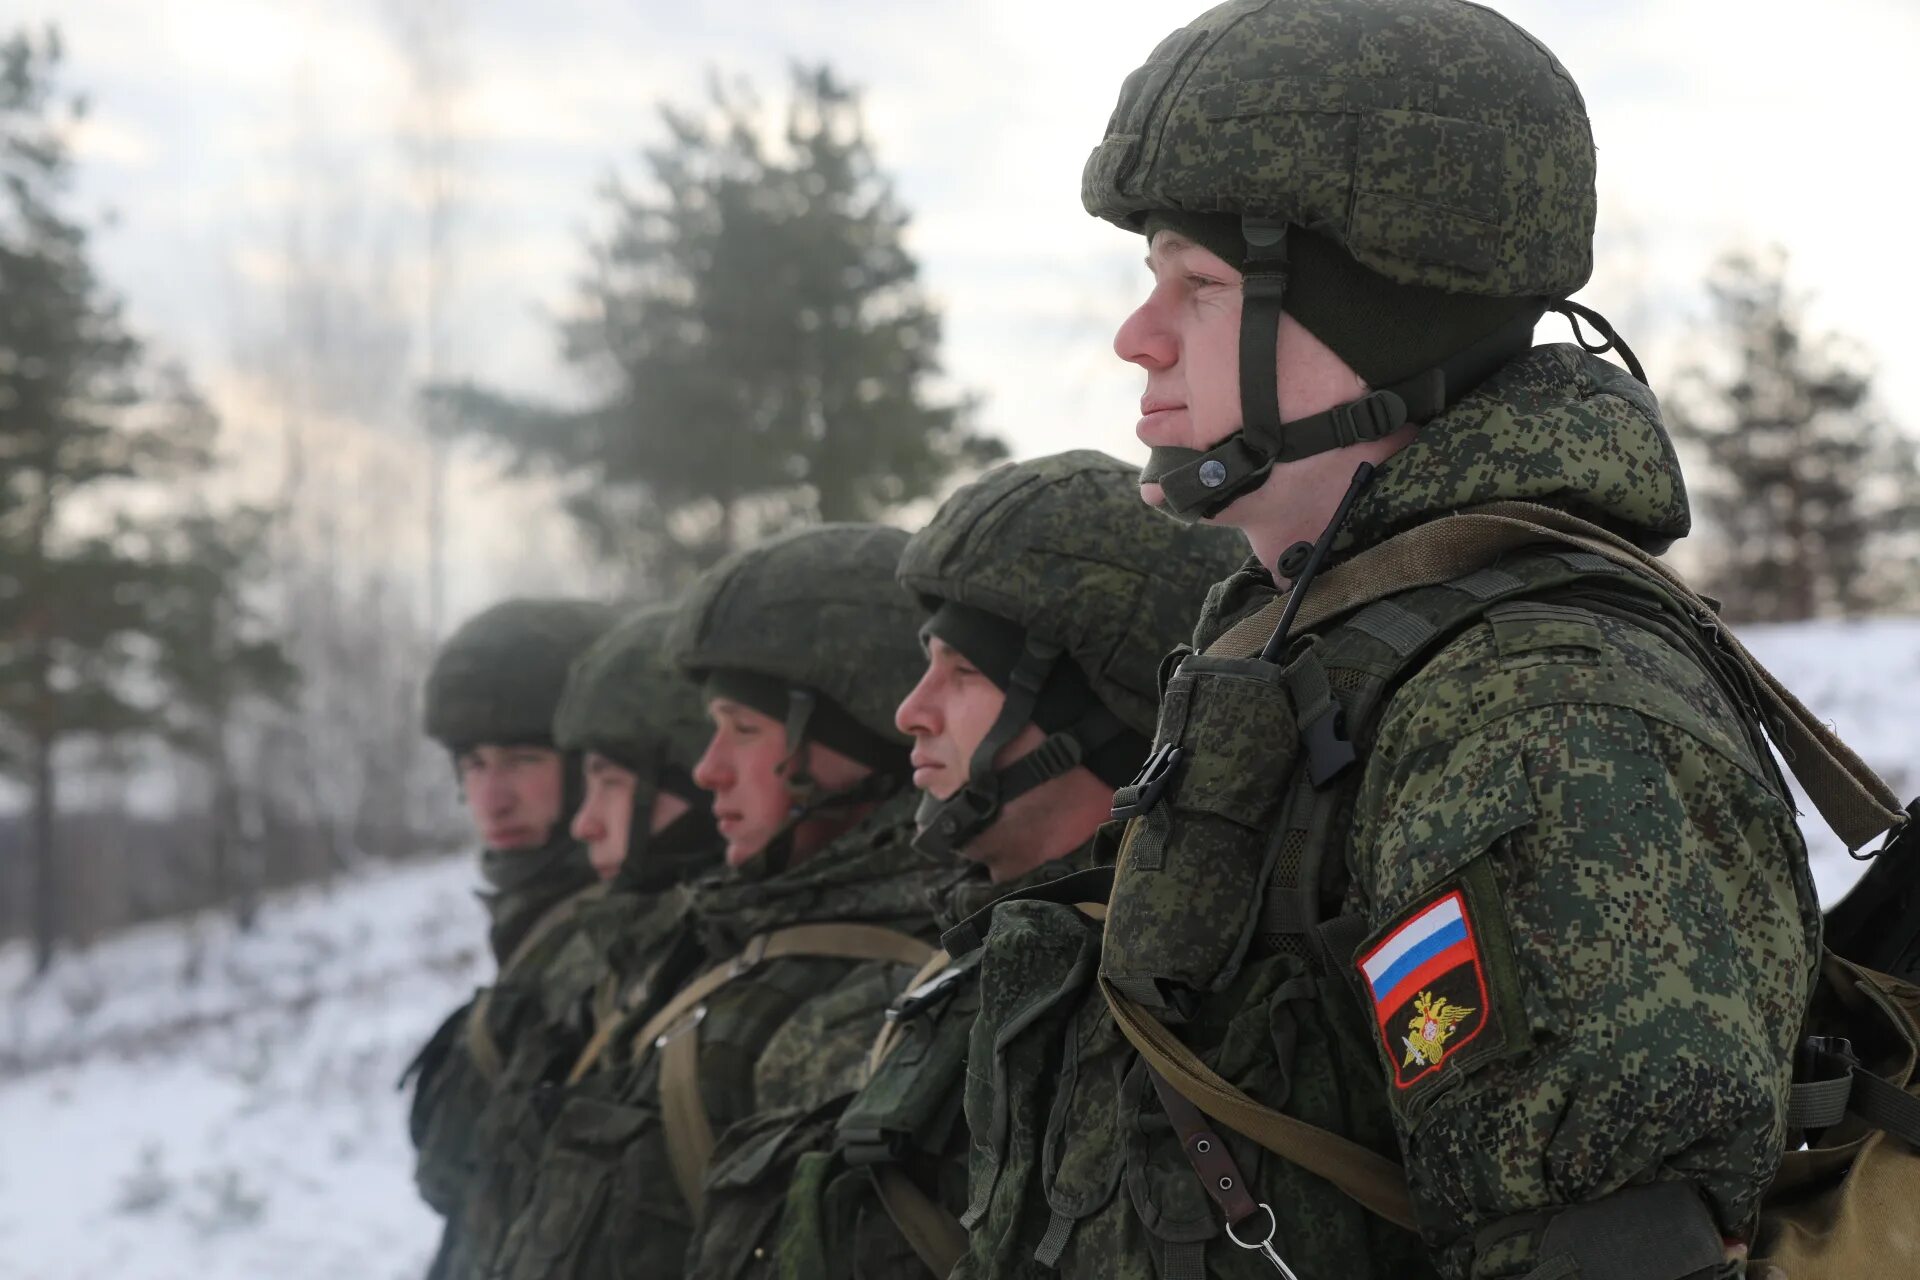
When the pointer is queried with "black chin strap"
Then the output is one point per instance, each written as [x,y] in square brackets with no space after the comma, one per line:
[1200,484]
[947,826]
[1611,341]
[806,798]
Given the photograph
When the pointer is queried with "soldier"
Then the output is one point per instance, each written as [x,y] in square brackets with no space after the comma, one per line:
[1050,595]
[490,699]
[636,725]
[803,647]
[1461,925]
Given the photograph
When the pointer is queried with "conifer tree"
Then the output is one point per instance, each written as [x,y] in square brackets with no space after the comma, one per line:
[755,340]
[1814,494]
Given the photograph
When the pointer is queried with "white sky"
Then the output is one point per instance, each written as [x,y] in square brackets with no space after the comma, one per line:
[1719,124]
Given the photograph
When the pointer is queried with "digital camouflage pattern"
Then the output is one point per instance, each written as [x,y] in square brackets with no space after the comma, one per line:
[498,678]
[628,701]
[787,1038]
[794,1196]
[1648,933]
[815,607]
[1063,547]
[1434,140]
[539,1016]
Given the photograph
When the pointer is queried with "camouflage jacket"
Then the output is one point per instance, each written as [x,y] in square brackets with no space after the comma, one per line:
[793,1193]
[1582,929]
[786,1035]
[475,1111]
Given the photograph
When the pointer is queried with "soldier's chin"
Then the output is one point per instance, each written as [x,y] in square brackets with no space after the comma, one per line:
[1152,494]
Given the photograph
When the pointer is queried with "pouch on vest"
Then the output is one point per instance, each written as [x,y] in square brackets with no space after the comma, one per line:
[605,1206]
[747,1188]
[1845,1206]
[911,1103]
[1197,856]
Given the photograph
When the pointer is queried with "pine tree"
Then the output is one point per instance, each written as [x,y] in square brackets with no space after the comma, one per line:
[1812,491]
[85,580]
[757,340]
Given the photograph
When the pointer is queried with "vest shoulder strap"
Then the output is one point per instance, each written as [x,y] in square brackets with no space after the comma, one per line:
[672,1031]
[1852,799]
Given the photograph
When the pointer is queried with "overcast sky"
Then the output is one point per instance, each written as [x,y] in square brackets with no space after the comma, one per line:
[1719,125]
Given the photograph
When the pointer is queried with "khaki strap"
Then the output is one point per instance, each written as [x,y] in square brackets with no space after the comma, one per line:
[683,1114]
[1852,799]
[674,1030]
[1374,1181]
[936,1236]
[891,1030]
[609,1008]
[481,1046]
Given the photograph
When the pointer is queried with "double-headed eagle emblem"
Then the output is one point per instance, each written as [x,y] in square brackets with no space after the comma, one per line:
[1432,1025]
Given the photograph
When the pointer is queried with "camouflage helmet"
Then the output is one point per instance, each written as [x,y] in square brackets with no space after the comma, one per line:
[1057,567]
[1434,142]
[626,700]
[814,612]
[498,678]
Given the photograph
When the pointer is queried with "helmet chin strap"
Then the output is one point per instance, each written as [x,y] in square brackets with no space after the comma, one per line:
[947,826]
[1200,484]
[806,798]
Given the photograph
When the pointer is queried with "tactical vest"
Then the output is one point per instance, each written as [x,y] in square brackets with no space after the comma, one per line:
[1234,887]
[1224,872]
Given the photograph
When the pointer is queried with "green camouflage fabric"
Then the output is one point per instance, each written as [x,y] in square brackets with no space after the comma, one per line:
[1062,546]
[498,678]
[523,885]
[540,1015]
[785,1039]
[792,1194]
[1434,140]
[1648,927]
[816,607]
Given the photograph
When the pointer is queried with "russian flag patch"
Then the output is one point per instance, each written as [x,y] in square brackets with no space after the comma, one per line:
[1428,986]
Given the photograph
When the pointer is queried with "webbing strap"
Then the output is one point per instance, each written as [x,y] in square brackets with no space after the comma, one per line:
[842,941]
[673,1031]
[893,1028]
[683,1115]
[1374,1181]
[935,1236]
[1849,795]
[1818,1104]
[481,1046]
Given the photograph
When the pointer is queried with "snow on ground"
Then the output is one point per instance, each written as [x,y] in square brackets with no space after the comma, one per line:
[188,1103]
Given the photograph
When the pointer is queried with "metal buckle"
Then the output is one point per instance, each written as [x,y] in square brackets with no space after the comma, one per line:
[1265,1247]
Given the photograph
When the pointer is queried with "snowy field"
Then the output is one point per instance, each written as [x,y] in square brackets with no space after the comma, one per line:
[186,1103]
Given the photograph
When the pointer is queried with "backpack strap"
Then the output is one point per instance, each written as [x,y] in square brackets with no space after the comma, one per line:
[936,1236]
[1852,799]
[672,1031]
[481,1045]
[1377,1183]
[891,1030]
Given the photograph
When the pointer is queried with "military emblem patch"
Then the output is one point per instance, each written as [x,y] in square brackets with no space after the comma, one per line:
[1428,986]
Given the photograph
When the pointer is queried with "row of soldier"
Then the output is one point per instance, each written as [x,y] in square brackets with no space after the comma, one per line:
[1058,890]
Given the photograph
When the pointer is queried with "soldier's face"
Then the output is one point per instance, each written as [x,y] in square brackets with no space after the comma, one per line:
[513,794]
[746,767]
[604,820]
[948,714]
[1186,336]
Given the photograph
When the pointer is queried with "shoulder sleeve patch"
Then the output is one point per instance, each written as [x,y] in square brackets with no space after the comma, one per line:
[1525,626]
[1441,983]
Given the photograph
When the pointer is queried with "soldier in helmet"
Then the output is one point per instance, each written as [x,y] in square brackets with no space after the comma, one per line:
[636,726]
[1461,925]
[802,646]
[490,699]
[1049,594]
